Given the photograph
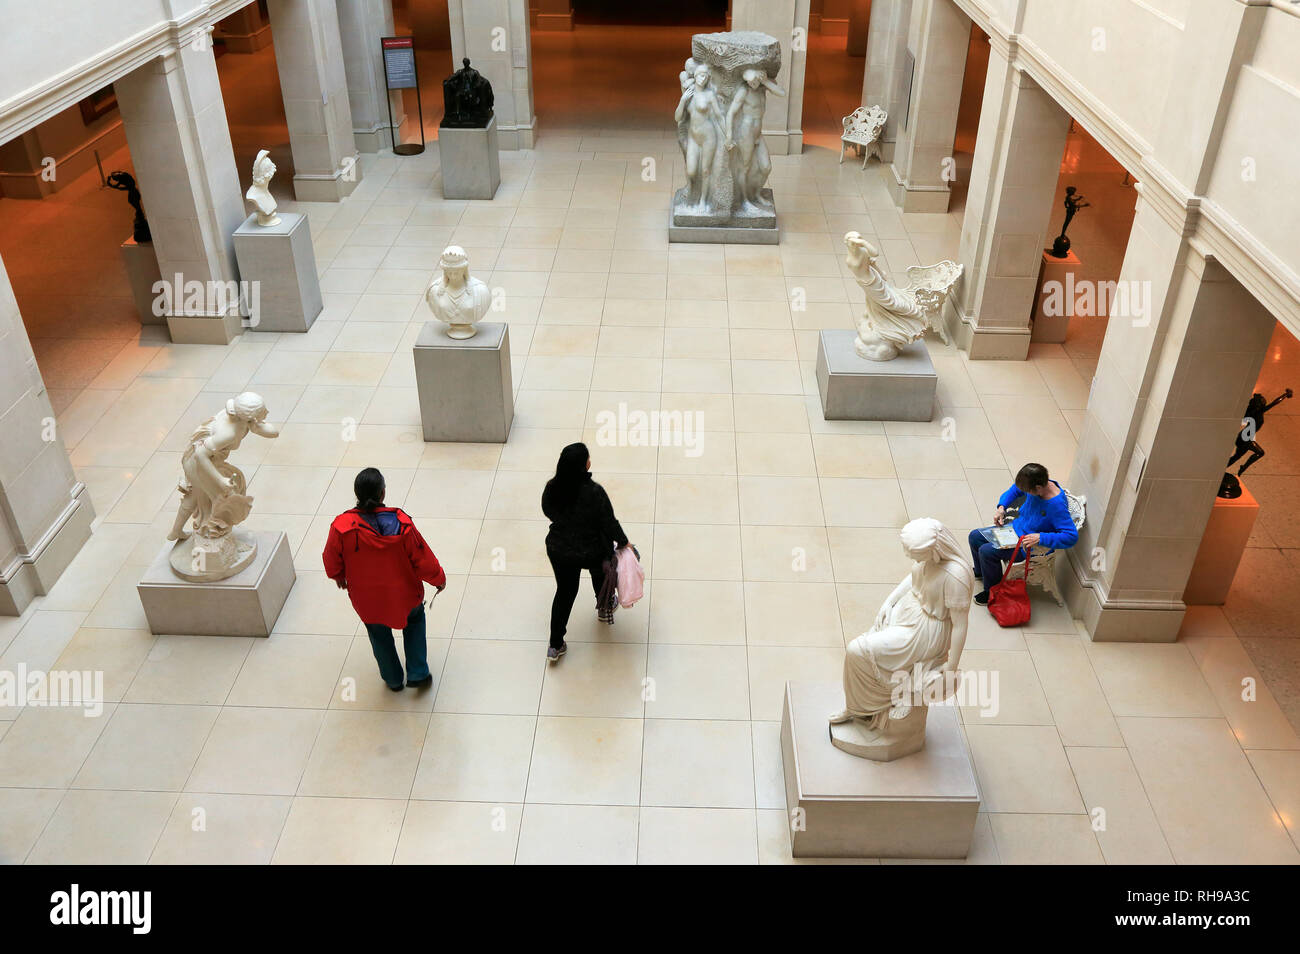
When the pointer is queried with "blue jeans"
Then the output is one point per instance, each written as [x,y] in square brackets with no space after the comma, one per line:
[417,652]
[988,558]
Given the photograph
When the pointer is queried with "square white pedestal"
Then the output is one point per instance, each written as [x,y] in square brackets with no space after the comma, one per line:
[280,259]
[246,604]
[470,161]
[1052,328]
[855,389]
[1222,545]
[142,272]
[464,384]
[919,806]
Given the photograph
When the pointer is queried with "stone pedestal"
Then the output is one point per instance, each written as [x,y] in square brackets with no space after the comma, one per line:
[279,265]
[840,806]
[470,161]
[1052,328]
[757,228]
[142,272]
[246,604]
[855,389]
[464,384]
[1224,542]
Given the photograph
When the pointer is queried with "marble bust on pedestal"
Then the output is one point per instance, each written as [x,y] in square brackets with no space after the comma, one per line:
[456,299]
[259,193]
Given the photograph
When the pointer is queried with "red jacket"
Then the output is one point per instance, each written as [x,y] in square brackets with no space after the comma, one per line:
[382,567]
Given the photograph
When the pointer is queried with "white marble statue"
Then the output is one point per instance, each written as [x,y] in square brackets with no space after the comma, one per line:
[259,193]
[214,494]
[698,109]
[895,317]
[746,136]
[910,655]
[456,299]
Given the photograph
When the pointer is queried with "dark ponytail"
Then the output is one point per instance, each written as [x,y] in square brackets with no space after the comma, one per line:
[369,488]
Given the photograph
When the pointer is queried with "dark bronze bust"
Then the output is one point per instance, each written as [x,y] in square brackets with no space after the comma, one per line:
[124,182]
[467,99]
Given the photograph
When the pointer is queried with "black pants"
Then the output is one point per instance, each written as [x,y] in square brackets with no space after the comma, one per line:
[1256,452]
[568,573]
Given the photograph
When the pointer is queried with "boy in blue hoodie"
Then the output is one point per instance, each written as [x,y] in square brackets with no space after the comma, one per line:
[1044,519]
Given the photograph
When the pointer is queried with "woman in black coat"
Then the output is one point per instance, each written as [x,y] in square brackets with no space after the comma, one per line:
[583,535]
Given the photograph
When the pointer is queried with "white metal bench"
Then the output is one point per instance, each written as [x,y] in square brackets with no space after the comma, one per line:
[1042,564]
[862,129]
[930,287]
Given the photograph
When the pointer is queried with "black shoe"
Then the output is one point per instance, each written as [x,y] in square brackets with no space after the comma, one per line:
[397,688]
[982,598]
[421,683]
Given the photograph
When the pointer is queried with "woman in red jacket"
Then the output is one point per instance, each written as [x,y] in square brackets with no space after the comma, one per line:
[376,554]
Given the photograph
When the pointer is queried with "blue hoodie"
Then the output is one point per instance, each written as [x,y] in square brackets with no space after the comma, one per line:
[1050,519]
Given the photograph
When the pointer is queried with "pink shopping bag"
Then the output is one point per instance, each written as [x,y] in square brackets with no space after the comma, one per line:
[631,578]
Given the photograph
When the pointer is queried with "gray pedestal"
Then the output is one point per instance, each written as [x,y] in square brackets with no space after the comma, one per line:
[142,272]
[470,161]
[919,806]
[855,389]
[464,384]
[246,604]
[279,265]
[686,225]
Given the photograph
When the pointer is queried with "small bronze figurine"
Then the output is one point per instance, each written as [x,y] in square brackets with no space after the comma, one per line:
[1074,201]
[1251,423]
[124,182]
[467,99]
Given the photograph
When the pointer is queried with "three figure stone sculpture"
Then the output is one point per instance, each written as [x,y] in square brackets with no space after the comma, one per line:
[125,182]
[727,163]
[259,193]
[467,99]
[214,494]
[895,317]
[456,299]
[910,656]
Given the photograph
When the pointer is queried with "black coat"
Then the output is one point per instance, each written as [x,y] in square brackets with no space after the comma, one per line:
[583,530]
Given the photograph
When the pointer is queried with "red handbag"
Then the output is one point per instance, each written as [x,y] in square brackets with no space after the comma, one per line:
[1008,599]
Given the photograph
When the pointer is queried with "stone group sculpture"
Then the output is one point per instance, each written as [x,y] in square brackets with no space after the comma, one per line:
[125,182]
[720,130]
[214,494]
[895,317]
[467,99]
[909,658]
[259,193]
[455,298]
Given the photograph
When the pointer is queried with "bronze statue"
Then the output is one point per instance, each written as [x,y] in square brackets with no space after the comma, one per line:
[1074,201]
[467,99]
[125,182]
[1251,423]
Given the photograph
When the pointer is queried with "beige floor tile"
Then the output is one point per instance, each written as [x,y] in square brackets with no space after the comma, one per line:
[697,552]
[316,606]
[771,413]
[792,614]
[290,670]
[696,500]
[578,834]
[117,653]
[45,747]
[697,763]
[697,682]
[256,751]
[1256,719]
[867,555]
[509,607]
[593,679]
[771,667]
[492,677]
[1045,840]
[458,833]
[147,748]
[926,458]
[189,670]
[481,758]
[24,813]
[365,755]
[1017,695]
[697,611]
[1279,773]
[99,828]
[675,836]
[776,455]
[1194,769]
[853,456]
[786,554]
[215,829]
[1145,679]
[862,502]
[585,761]
[516,547]
[1120,815]
[780,501]
[1078,705]
[1022,768]
[340,831]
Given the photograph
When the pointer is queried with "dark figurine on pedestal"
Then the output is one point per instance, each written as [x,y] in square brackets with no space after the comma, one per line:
[124,182]
[1074,201]
[1251,422]
[467,99]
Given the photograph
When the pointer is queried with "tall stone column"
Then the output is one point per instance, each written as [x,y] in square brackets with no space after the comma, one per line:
[175,124]
[1165,405]
[883,78]
[1013,181]
[494,35]
[361,25]
[787,20]
[313,83]
[45,512]
[938,37]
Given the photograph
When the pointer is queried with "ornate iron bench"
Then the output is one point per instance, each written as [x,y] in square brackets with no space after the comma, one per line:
[862,129]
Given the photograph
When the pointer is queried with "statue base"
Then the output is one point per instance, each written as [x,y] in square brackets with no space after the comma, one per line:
[203,560]
[852,388]
[142,272]
[841,806]
[469,161]
[746,226]
[464,385]
[246,604]
[281,261]
[899,738]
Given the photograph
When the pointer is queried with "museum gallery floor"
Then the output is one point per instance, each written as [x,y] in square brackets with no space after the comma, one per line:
[767,546]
